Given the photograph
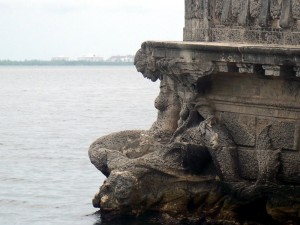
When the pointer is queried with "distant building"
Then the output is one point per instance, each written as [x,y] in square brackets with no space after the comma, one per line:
[95,58]
[90,58]
[119,58]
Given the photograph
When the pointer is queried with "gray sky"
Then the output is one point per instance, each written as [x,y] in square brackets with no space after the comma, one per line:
[41,29]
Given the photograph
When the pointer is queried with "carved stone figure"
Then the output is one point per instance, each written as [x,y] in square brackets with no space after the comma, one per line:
[208,134]
[285,19]
[275,8]
[219,7]
[226,17]
[225,146]
[296,9]
[236,6]
[255,6]
[193,7]
[254,21]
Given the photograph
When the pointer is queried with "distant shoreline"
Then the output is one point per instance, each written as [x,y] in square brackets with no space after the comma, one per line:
[61,63]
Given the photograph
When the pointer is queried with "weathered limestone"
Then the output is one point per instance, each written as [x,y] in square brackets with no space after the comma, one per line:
[225,148]
[252,21]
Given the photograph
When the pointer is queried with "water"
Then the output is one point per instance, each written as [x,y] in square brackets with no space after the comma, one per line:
[48,118]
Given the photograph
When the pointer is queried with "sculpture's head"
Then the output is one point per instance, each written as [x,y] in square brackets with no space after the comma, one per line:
[145,63]
[119,191]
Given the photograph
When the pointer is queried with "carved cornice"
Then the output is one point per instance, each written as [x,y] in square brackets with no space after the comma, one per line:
[186,71]
[181,68]
[188,62]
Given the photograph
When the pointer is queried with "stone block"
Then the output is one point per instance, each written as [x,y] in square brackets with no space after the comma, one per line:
[202,34]
[251,21]
[274,134]
[219,35]
[223,67]
[269,37]
[187,34]
[235,35]
[296,37]
[196,23]
[241,127]
[288,38]
[248,163]
[290,169]
[188,24]
[292,38]
[271,70]
[226,67]
[297,70]
[245,68]
[296,9]
[251,36]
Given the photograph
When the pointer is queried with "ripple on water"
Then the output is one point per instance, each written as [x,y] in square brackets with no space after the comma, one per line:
[49,117]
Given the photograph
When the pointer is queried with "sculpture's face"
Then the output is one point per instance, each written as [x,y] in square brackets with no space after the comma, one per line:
[118,191]
[145,64]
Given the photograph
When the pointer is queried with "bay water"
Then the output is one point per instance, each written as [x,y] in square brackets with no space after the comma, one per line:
[48,118]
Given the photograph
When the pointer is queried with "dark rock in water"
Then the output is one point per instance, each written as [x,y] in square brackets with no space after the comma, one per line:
[225,148]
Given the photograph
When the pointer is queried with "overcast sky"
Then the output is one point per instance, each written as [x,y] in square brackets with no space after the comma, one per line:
[41,29]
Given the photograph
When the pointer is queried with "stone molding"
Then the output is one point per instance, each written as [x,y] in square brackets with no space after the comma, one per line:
[191,61]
